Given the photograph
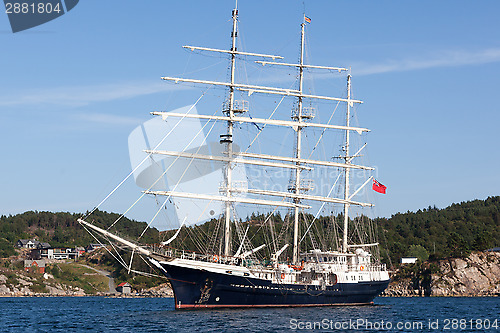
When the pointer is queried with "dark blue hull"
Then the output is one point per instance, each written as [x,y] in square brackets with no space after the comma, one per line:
[195,289]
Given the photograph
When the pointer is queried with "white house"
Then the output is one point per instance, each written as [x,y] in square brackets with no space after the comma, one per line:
[56,253]
[27,243]
[409,260]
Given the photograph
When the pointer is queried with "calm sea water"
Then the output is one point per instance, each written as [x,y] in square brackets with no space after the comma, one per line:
[90,314]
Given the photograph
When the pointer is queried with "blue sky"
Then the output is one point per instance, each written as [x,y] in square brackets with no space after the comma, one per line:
[73,89]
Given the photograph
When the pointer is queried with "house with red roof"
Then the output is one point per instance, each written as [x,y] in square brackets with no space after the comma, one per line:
[124,288]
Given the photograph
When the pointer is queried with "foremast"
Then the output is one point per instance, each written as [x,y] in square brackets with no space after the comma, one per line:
[229,138]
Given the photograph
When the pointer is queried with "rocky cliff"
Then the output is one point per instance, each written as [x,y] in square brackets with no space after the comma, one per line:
[476,275]
[65,279]
[18,284]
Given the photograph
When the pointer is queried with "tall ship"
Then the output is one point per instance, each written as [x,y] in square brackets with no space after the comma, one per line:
[320,253]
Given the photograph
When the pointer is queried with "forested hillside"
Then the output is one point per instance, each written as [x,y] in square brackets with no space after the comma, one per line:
[62,229]
[432,233]
[454,231]
[436,233]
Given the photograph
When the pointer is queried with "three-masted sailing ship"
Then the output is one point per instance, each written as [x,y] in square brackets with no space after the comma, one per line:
[346,275]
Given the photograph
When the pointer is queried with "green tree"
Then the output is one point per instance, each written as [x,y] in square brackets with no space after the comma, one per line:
[419,252]
[457,245]
[482,242]
[6,248]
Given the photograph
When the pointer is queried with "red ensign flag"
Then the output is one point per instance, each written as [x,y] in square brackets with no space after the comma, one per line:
[377,187]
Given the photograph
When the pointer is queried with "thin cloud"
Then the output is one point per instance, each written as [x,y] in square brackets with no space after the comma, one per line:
[443,59]
[108,119]
[436,60]
[84,95]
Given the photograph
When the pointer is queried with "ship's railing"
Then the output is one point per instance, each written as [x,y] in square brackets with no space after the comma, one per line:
[305,185]
[239,106]
[260,264]
[367,267]
[351,268]
[377,268]
[190,255]
[308,112]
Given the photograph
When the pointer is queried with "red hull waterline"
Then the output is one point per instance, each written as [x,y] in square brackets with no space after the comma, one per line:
[216,306]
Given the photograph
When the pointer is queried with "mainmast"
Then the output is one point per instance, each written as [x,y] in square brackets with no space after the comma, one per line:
[228,138]
[296,250]
[347,162]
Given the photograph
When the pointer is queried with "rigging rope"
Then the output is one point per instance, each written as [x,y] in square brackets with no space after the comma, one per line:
[160,177]
[324,130]
[320,209]
[180,178]
[264,126]
[145,159]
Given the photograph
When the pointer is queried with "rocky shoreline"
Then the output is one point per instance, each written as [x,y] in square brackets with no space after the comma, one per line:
[25,286]
[475,276]
[68,291]
[19,284]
